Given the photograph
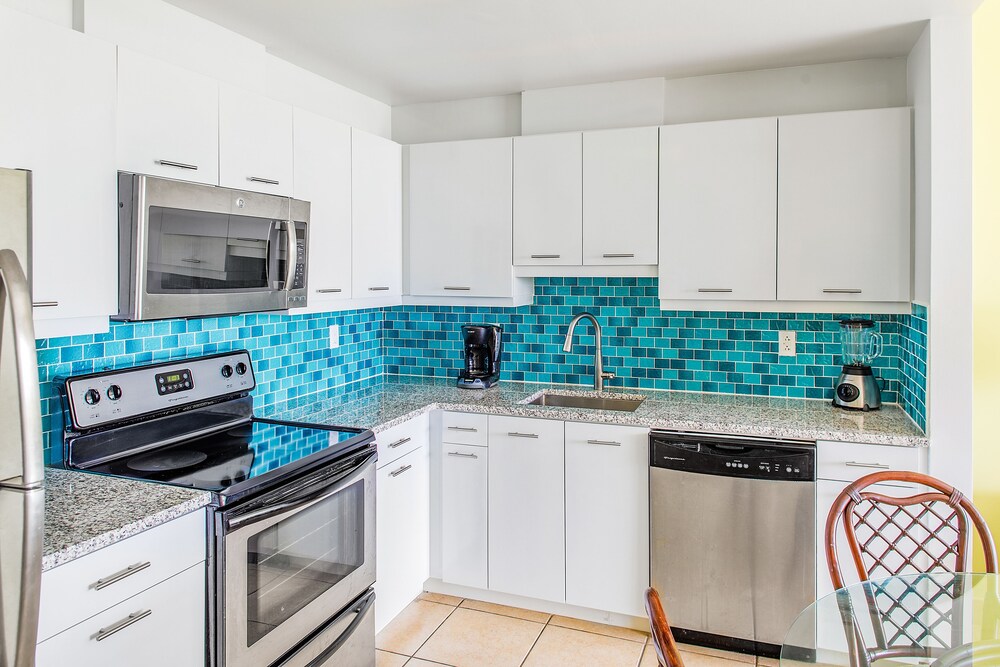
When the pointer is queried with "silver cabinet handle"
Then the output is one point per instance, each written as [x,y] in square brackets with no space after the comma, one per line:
[715,290]
[266,181]
[44,304]
[191,260]
[179,165]
[329,290]
[401,441]
[468,429]
[856,464]
[131,619]
[841,291]
[457,289]
[464,456]
[610,443]
[515,434]
[378,289]
[546,256]
[618,255]
[118,576]
[397,473]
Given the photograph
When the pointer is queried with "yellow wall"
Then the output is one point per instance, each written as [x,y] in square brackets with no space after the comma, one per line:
[986,260]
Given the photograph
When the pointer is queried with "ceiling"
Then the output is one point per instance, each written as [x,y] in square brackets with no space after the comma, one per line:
[407,51]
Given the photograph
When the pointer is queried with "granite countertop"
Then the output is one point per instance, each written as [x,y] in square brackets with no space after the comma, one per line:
[85,512]
[390,400]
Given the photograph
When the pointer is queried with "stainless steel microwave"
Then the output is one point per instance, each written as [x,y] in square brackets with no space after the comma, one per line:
[189,250]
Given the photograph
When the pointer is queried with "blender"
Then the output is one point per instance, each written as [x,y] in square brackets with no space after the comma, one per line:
[857,387]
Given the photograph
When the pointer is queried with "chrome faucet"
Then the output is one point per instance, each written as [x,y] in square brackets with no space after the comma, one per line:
[599,375]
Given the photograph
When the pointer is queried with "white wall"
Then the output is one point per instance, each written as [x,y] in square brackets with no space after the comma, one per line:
[476,118]
[918,84]
[597,106]
[55,11]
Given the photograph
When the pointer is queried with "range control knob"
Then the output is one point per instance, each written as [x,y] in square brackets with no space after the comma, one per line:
[93,397]
[241,368]
[227,371]
[114,392]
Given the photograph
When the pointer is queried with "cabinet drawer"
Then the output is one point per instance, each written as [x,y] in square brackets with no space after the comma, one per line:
[463,428]
[398,441]
[848,461]
[164,625]
[83,587]
[514,429]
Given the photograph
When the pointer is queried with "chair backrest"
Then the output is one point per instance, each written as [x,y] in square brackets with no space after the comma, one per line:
[890,535]
[663,640]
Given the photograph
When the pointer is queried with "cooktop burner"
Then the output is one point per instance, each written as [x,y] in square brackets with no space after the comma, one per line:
[165,461]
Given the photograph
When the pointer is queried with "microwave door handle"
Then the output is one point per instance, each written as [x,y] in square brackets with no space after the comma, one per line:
[292,254]
[273,252]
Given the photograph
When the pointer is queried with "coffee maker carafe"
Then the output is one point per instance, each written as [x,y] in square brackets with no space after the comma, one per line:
[857,388]
[482,356]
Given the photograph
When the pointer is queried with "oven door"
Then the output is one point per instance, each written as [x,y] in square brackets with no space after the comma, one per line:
[293,558]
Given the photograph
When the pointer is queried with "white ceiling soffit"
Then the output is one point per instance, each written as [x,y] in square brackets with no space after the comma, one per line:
[407,51]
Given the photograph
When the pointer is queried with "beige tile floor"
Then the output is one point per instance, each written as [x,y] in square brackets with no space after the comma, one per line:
[436,630]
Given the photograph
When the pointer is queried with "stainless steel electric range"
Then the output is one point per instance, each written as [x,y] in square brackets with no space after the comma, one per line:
[292,527]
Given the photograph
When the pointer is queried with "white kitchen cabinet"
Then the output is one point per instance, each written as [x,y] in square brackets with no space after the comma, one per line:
[718,212]
[607,517]
[620,170]
[527,547]
[548,199]
[464,514]
[844,206]
[402,533]
[168,120]
[376,205]
[255,142]
[322,177]
[57,118]
[459,223]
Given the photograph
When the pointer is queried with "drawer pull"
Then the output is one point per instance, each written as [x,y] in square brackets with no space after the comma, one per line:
[841,291]
[191,260]
[467,429]
[618,255]
[401,441]
[265,181]
[464,456]
[44,304]
[610,443]
[515,434]
[329,290]
[546,256]
[715,290]
[179,165]
[857,464]
[396,473]
[118,576]
[378,289]
[458,289]
[132,619]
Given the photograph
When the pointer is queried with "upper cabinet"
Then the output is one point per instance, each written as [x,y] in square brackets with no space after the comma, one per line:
[619,197]
[717,210]
[376,203]
[459,219]
[548,199]
[323,178]
[255,142]
[844,206]
[168,120]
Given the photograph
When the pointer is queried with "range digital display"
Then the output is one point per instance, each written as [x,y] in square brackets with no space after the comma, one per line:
[174,381]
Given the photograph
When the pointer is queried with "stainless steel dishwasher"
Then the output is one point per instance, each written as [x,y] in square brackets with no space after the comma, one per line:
[733,536]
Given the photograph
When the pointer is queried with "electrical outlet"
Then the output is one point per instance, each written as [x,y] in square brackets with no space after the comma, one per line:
[334,336]
[786,343]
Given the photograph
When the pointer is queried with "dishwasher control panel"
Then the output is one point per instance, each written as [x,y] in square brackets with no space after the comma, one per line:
[733,457]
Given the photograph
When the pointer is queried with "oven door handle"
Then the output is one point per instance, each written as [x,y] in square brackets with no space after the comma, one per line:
[361,608]
[307,496]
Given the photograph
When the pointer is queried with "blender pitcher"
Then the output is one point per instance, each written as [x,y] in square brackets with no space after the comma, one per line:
[859,343]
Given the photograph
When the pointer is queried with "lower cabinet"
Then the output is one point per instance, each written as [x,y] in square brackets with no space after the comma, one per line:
[607,517]
[527,548]
[464,514]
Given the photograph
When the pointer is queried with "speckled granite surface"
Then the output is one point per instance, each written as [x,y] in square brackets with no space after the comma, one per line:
[391,400]
[85,512]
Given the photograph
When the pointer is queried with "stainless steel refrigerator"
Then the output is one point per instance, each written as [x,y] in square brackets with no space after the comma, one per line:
[22,497]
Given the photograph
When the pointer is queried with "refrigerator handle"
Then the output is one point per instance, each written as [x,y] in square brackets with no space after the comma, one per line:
[14,288]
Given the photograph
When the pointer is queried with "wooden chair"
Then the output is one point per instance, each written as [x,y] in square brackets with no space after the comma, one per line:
[663,639]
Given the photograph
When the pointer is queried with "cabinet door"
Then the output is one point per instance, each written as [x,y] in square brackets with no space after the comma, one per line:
[459,227]
[402,529]
[322,177]
[57,118]
[548,199]
[168,120]
[607,517]
[463,515]
[619,196]
[844,206]
[718,219]
[255,142]
[527,521]
[377,224]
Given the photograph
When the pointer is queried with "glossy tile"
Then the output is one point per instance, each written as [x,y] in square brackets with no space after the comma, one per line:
[472,638]
[417,662]
[716,653]
[600,629]
[440,598]
[386,659]
[564,646]
[649,657]
[503,610]
[412,627]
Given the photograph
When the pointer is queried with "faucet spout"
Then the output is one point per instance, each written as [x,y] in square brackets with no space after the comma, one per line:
[599,374]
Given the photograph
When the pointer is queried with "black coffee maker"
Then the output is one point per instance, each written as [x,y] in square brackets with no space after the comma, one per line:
[482,356]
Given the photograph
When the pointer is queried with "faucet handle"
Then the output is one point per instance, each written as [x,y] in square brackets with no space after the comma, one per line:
[608,375]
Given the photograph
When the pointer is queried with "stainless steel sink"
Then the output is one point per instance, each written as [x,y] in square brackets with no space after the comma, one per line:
[590,402]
